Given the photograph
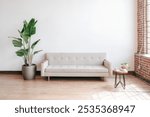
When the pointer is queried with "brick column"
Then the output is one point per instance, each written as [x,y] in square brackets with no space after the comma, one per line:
[141,26]
[142,63]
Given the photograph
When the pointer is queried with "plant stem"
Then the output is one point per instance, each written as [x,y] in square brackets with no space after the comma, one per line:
[29,54]
[24,47]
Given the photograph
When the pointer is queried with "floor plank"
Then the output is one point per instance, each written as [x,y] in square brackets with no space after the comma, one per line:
[14,87]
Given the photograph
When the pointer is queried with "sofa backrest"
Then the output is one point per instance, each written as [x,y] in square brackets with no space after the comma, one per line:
[75,58]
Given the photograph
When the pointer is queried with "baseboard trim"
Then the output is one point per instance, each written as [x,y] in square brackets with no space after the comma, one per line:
[131,73]
[16,72]
[10,72]
[142,78]
[38,72]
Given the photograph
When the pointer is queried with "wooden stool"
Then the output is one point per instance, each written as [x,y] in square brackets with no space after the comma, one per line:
[120,73]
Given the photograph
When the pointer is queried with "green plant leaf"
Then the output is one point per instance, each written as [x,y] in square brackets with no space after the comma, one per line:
[32,22]
[17,43]
[26,32]
[31,27]
[34,44]
[24,37]
[32,30]
[16,38]
[21,52]
[37,52]
[25,24]
[20,33]
[28,29]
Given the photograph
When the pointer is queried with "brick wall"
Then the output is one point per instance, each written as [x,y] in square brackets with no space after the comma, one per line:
[142,66]
[141,26]
[142,63]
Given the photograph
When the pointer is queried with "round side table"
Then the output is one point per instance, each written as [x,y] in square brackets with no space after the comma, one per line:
[121,74]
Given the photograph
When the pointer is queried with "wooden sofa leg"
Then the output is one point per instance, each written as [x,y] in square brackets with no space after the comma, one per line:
[48,78]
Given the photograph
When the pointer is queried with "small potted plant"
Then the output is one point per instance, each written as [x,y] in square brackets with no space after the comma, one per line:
[26,48]
[124,67]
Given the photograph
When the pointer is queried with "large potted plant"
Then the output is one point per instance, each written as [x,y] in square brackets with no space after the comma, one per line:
[26,48]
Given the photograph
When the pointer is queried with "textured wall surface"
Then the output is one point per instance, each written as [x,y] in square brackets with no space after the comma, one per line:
[142,62]
[142,66]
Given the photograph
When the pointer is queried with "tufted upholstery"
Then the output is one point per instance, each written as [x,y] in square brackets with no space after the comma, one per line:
[76,64]
[75,58]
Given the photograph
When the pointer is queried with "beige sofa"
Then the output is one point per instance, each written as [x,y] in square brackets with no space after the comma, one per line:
[76,64]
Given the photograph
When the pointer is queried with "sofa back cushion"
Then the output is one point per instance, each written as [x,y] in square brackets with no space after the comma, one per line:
[75,58]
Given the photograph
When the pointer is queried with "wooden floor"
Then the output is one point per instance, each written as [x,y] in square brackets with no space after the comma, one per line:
[14,87]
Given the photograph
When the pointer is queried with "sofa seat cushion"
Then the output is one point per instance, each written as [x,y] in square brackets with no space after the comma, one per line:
[75,68]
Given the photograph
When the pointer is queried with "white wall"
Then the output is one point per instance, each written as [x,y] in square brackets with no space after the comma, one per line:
[70,26]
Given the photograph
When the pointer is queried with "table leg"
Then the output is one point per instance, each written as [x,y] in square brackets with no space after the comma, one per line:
[124,81]
[119,78]
[115,80]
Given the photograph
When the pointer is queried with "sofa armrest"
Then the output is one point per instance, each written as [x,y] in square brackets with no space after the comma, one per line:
[108,65]
[44,64]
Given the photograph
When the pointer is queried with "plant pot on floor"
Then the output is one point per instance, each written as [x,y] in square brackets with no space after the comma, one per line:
[29,72]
